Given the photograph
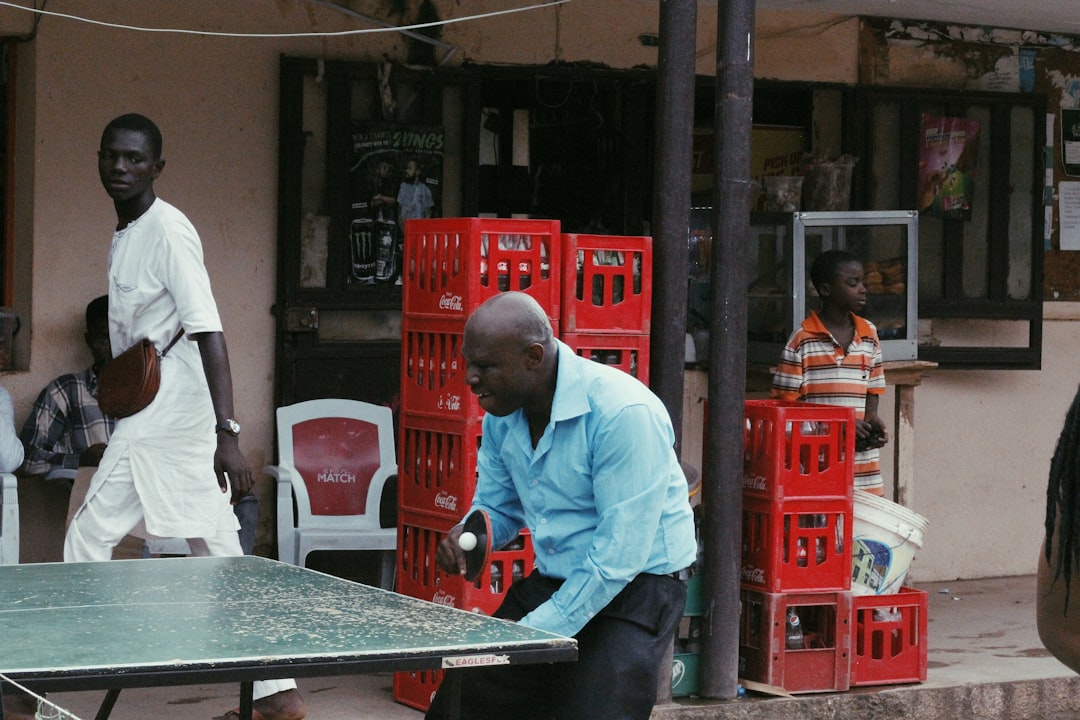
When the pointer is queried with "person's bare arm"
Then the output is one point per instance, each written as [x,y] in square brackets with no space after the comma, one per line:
[228,460]
[871,417]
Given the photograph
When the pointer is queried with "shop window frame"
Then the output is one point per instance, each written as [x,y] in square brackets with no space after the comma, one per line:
[953,303]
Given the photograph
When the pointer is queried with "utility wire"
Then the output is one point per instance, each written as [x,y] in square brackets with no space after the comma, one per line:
[340,33]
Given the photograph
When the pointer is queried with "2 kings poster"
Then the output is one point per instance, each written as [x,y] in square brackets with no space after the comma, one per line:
[395,175]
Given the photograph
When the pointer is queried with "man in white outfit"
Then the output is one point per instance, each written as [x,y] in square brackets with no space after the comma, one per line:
[170,465]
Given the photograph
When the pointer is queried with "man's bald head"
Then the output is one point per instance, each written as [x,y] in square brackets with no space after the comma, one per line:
[511,317]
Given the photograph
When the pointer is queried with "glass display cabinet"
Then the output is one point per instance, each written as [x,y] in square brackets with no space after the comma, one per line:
[782,248]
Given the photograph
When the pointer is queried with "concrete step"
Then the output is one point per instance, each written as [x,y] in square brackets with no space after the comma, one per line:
[985,661]
[1039,699]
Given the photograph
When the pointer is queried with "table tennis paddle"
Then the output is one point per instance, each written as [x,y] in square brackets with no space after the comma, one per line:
[479,524]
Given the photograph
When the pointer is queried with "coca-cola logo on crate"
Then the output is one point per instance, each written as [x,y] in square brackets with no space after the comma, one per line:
[450,402]
[451,302]
[753,575]
[446,501]
[441,597]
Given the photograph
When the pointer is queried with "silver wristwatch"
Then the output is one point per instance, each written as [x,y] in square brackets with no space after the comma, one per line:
[230,426]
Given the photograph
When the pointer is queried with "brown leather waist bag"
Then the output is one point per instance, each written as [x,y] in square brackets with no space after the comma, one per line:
[129,382]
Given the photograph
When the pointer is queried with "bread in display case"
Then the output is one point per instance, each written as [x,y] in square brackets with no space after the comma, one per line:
[780,294]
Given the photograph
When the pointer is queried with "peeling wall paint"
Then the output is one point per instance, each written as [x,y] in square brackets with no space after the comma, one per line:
[1068,87]
[926,55]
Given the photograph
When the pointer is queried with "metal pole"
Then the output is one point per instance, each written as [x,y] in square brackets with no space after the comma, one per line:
[722,494]
[671,220]
[671,204]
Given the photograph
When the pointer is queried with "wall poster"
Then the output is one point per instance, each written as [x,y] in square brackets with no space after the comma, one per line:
[1070,141]
[948,149]
[396,175]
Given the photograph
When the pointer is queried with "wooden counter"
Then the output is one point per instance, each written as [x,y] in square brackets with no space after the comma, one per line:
[905,375]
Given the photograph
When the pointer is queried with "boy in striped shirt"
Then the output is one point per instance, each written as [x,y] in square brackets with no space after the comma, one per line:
[834,358]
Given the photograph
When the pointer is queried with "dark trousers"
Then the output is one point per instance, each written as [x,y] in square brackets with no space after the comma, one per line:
[246,510]
[620,652]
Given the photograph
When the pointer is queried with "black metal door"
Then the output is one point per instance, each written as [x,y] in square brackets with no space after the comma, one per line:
[338,306]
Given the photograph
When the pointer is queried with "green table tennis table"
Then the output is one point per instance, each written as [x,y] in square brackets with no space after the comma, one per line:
[178,621]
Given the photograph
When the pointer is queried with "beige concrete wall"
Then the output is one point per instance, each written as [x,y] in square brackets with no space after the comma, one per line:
[788,46]
[15,21]
[983,443]
[806,46]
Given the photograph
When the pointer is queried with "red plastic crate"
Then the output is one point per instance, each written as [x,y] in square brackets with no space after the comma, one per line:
[797,450]
[433,382]
[607,284]
[417,688]
[822,664]
[796,545]
[629,353]
[451,265]
[437,465]
[418,575]
[890,638]
[433,371]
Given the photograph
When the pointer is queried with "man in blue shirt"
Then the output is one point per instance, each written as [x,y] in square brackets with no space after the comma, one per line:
[582,455]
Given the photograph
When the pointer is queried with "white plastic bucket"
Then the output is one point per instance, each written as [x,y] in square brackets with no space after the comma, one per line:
[885,537]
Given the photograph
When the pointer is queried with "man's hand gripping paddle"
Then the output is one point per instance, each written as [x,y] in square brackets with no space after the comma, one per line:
[475,543]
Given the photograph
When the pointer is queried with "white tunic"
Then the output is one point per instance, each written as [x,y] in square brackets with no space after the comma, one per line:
[158,282]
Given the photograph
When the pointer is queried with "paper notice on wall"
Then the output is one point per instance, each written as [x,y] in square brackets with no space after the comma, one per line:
[1070,141]
[1048,184]
[1069,213]
[1005,77]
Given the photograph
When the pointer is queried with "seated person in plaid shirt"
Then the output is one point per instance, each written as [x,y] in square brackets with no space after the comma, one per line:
[66,429]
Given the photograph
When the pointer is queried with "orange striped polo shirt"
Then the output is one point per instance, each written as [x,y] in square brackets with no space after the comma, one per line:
[815,368]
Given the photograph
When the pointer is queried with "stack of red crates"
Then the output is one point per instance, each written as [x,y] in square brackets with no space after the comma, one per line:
[798,465]
[798,480]
[451,266]
[607,299]
[597,292]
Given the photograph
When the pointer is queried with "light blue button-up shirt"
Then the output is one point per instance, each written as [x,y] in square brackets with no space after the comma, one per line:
[602,494]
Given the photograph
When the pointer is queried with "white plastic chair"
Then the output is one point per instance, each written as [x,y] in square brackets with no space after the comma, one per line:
[335,457]
[9,520]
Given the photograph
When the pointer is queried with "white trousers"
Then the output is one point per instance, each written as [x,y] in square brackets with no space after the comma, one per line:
[108,514]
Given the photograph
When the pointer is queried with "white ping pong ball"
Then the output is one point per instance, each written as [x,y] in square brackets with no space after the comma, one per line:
[467,541]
